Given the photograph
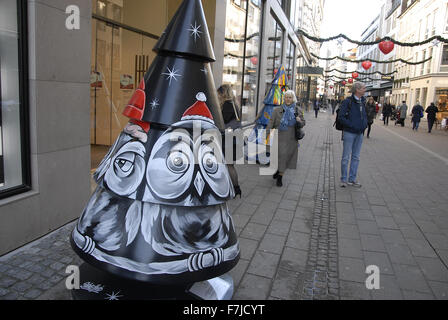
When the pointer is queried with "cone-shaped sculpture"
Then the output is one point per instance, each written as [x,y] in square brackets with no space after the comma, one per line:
[159,213]
[273,99]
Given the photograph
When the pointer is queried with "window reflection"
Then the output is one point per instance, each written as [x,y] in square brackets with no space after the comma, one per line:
[274,49]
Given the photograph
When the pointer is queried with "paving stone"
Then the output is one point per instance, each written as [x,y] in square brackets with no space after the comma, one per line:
[380,211]
[389,289]
[303,213]
[351,269]
[301,225]
[254,231]
[262,217]
[247,247]
[10,296]
[298,240]
[288,205]
[411,278]
[392,236]
[284,285]
[350,248]
[386,223]
[372,243]
[6,282]
[238,272]
[272,243]
[246,209]
[379,259]
[433,269]
[438,241]
[412,232]
[348,231]
[428,226]
[414,295]
[364,215]
[421,248]
[354,290]
[400,254]
[264,264]
[33,294]
[279,228]
[346,218]
[240,220]
[57,266]
[253,287]
[284,215]
[440,289]
[21,286]
[293,259]
[3,292]
[4,268]
[368,227]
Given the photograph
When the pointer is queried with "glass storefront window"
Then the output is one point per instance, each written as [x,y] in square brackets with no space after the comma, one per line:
[290,61]
[234,46]
[441,101]
[274,49]
[14,151]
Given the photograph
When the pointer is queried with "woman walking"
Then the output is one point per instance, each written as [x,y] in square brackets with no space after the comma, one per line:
[371,112]
[232,119]
[284,119]
[417,114]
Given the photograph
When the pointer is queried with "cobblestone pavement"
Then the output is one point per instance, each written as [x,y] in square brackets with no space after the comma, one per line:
[311,239]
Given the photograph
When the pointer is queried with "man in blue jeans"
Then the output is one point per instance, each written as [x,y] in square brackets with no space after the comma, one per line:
[353,117]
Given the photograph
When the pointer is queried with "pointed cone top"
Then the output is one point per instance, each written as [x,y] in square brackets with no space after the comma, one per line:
[278,87]
[187,33]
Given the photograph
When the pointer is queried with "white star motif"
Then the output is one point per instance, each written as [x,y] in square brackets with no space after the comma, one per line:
[113,296]
[205,71]
[155,103]
[172,74]
[195,31]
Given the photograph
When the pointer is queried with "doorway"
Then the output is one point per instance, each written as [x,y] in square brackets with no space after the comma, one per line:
[120,59]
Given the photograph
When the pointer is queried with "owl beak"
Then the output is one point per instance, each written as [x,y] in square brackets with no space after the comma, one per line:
[199,183]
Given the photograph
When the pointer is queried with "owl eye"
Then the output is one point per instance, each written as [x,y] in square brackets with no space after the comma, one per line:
[123,165]
[177,162]
[210,163]
[128,169]
[213,170]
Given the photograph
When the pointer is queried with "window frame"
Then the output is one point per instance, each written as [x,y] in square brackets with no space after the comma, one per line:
[22,28]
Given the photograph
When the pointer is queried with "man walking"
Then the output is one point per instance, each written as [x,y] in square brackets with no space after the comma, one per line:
[417,115]
[403,112]
[387,111]
[353,116]
[431,111]
[316,107]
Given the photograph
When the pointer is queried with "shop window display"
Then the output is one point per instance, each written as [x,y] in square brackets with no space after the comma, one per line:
[14,175]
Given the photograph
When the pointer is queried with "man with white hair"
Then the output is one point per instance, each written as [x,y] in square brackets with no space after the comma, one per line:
[353,117]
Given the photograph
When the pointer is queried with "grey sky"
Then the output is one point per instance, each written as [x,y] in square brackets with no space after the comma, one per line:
[350,17]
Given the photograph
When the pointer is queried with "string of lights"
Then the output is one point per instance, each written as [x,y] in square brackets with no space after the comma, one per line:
[363,73]
[372,60]
[369,43]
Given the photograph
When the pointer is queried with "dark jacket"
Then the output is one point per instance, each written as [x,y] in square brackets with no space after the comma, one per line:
[356,122]
[228,113]
[371,112]
[431,111]
[387,109]
[417,113]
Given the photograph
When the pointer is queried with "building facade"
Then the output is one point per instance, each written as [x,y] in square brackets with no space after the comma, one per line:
[64,89]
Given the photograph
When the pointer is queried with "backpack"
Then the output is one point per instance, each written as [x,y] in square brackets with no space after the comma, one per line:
[337,124]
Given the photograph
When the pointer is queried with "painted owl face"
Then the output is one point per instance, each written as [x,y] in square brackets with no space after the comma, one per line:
[185,166]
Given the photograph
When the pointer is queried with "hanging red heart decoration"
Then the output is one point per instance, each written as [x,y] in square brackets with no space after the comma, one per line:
[331,87]
[350,80]
[355,75]
[254,60]
[386,46]
[366,65]
[343,82]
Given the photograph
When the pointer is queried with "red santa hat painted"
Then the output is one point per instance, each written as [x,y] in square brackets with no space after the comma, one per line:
[199,110]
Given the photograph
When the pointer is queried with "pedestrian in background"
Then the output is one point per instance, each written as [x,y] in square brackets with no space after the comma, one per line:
[354,122]
[431,111]
[371,112]
[417,115]
[284,119]
[316,107]
[232,119]
[403,112]
[387,111]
